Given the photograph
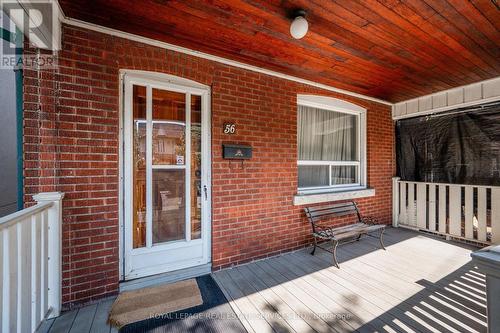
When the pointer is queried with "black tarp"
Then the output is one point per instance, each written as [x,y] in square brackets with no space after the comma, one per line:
[459,147]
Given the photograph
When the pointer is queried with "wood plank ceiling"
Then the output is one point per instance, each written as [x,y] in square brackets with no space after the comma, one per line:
[388,49]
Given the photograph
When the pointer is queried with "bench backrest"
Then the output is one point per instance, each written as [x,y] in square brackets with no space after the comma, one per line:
[316,214]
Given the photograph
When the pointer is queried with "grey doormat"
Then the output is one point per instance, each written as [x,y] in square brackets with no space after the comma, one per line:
[215,315]
[137,305]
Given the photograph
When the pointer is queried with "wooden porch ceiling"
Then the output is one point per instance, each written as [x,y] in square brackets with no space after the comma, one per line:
[388,49]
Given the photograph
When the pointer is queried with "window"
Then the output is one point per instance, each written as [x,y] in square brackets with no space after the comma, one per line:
[331,144]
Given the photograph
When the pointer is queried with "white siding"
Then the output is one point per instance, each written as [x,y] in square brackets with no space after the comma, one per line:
[476,93]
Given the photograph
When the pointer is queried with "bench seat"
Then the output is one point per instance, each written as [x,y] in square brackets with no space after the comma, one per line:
[348,231]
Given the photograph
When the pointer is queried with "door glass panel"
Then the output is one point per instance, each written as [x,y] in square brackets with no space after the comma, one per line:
[139,165]
[169,185]
[169,222]
[168,167]
[196,189]
[169,122]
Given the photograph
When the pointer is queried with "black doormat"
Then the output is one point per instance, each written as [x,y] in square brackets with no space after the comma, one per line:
[214,315]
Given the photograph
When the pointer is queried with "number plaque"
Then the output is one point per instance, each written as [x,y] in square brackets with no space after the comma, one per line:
[229,128]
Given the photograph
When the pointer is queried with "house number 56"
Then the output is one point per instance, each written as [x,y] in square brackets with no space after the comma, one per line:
[229,128]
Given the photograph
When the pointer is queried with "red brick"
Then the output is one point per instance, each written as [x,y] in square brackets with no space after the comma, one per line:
[71,144]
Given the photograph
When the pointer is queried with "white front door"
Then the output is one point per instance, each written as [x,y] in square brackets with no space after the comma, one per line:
[166,170]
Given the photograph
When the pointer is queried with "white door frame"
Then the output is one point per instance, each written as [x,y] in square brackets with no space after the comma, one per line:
[171,83]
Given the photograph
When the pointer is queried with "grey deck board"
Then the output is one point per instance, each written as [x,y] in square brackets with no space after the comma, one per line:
[100,323]
[308,302]
[288,300]
[245,306]
[63,323]
[275,320]
[343,291]
[89,319]
[84,319]
[235,308]
[291,300]
[296,323]
[362,295]
[363,286]
[340,297]
[432,297]
[358,290]
[328,304]
[420,284]
[45,326]
[412,271]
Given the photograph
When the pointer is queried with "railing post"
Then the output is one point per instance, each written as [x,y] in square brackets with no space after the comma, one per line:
[54,249]
[395,201]
[495,215]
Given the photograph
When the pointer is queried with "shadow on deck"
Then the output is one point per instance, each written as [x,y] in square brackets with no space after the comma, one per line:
[420,284]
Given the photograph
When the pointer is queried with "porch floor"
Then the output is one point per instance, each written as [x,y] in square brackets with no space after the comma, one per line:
[92,318]
[420,284]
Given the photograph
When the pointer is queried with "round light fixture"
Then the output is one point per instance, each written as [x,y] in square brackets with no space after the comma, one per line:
[299,26]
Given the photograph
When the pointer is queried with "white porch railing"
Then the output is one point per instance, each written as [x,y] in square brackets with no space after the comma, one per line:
[30,264]
[469,212]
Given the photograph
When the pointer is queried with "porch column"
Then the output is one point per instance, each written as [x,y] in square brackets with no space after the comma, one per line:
[54,241]
[488,262]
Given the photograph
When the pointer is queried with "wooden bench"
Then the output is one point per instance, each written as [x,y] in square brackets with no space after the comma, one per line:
[364,226]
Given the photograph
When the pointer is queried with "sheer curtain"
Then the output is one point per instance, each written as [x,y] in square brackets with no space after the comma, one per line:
[326,136]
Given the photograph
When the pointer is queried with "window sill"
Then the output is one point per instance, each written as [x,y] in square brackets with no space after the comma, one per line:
[305,199]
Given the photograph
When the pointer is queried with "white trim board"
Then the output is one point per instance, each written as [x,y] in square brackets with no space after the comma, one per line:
[180,49]
[164,278]
[472,94]
[329,103]
[299,200]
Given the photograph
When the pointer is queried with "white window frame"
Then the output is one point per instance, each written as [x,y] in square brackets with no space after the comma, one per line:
[338,105]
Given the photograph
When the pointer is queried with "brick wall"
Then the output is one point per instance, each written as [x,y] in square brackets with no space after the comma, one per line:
[71,145]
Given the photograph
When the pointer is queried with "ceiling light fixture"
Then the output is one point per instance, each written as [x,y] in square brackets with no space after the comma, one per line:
[299,26]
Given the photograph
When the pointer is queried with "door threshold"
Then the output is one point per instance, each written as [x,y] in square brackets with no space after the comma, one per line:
[168,277]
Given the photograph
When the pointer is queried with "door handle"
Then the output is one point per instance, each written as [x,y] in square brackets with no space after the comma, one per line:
[205,190]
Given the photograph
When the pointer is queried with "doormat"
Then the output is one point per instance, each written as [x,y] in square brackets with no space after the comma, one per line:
[215,315]
[152,302]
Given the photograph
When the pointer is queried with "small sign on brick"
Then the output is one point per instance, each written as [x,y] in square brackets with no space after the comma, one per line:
[229,128]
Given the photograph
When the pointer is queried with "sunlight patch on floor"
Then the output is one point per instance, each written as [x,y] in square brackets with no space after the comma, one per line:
[461,312]
[447,316]
[465,298]
[419,284]
[403,326]
[467,292]
[476,291]
[432,318]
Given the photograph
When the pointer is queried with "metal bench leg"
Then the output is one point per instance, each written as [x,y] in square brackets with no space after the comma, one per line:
[314,248]
[382,239]
[334,252]
[359,237]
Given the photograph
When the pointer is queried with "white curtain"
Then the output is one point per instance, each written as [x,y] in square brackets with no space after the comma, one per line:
[326,136]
